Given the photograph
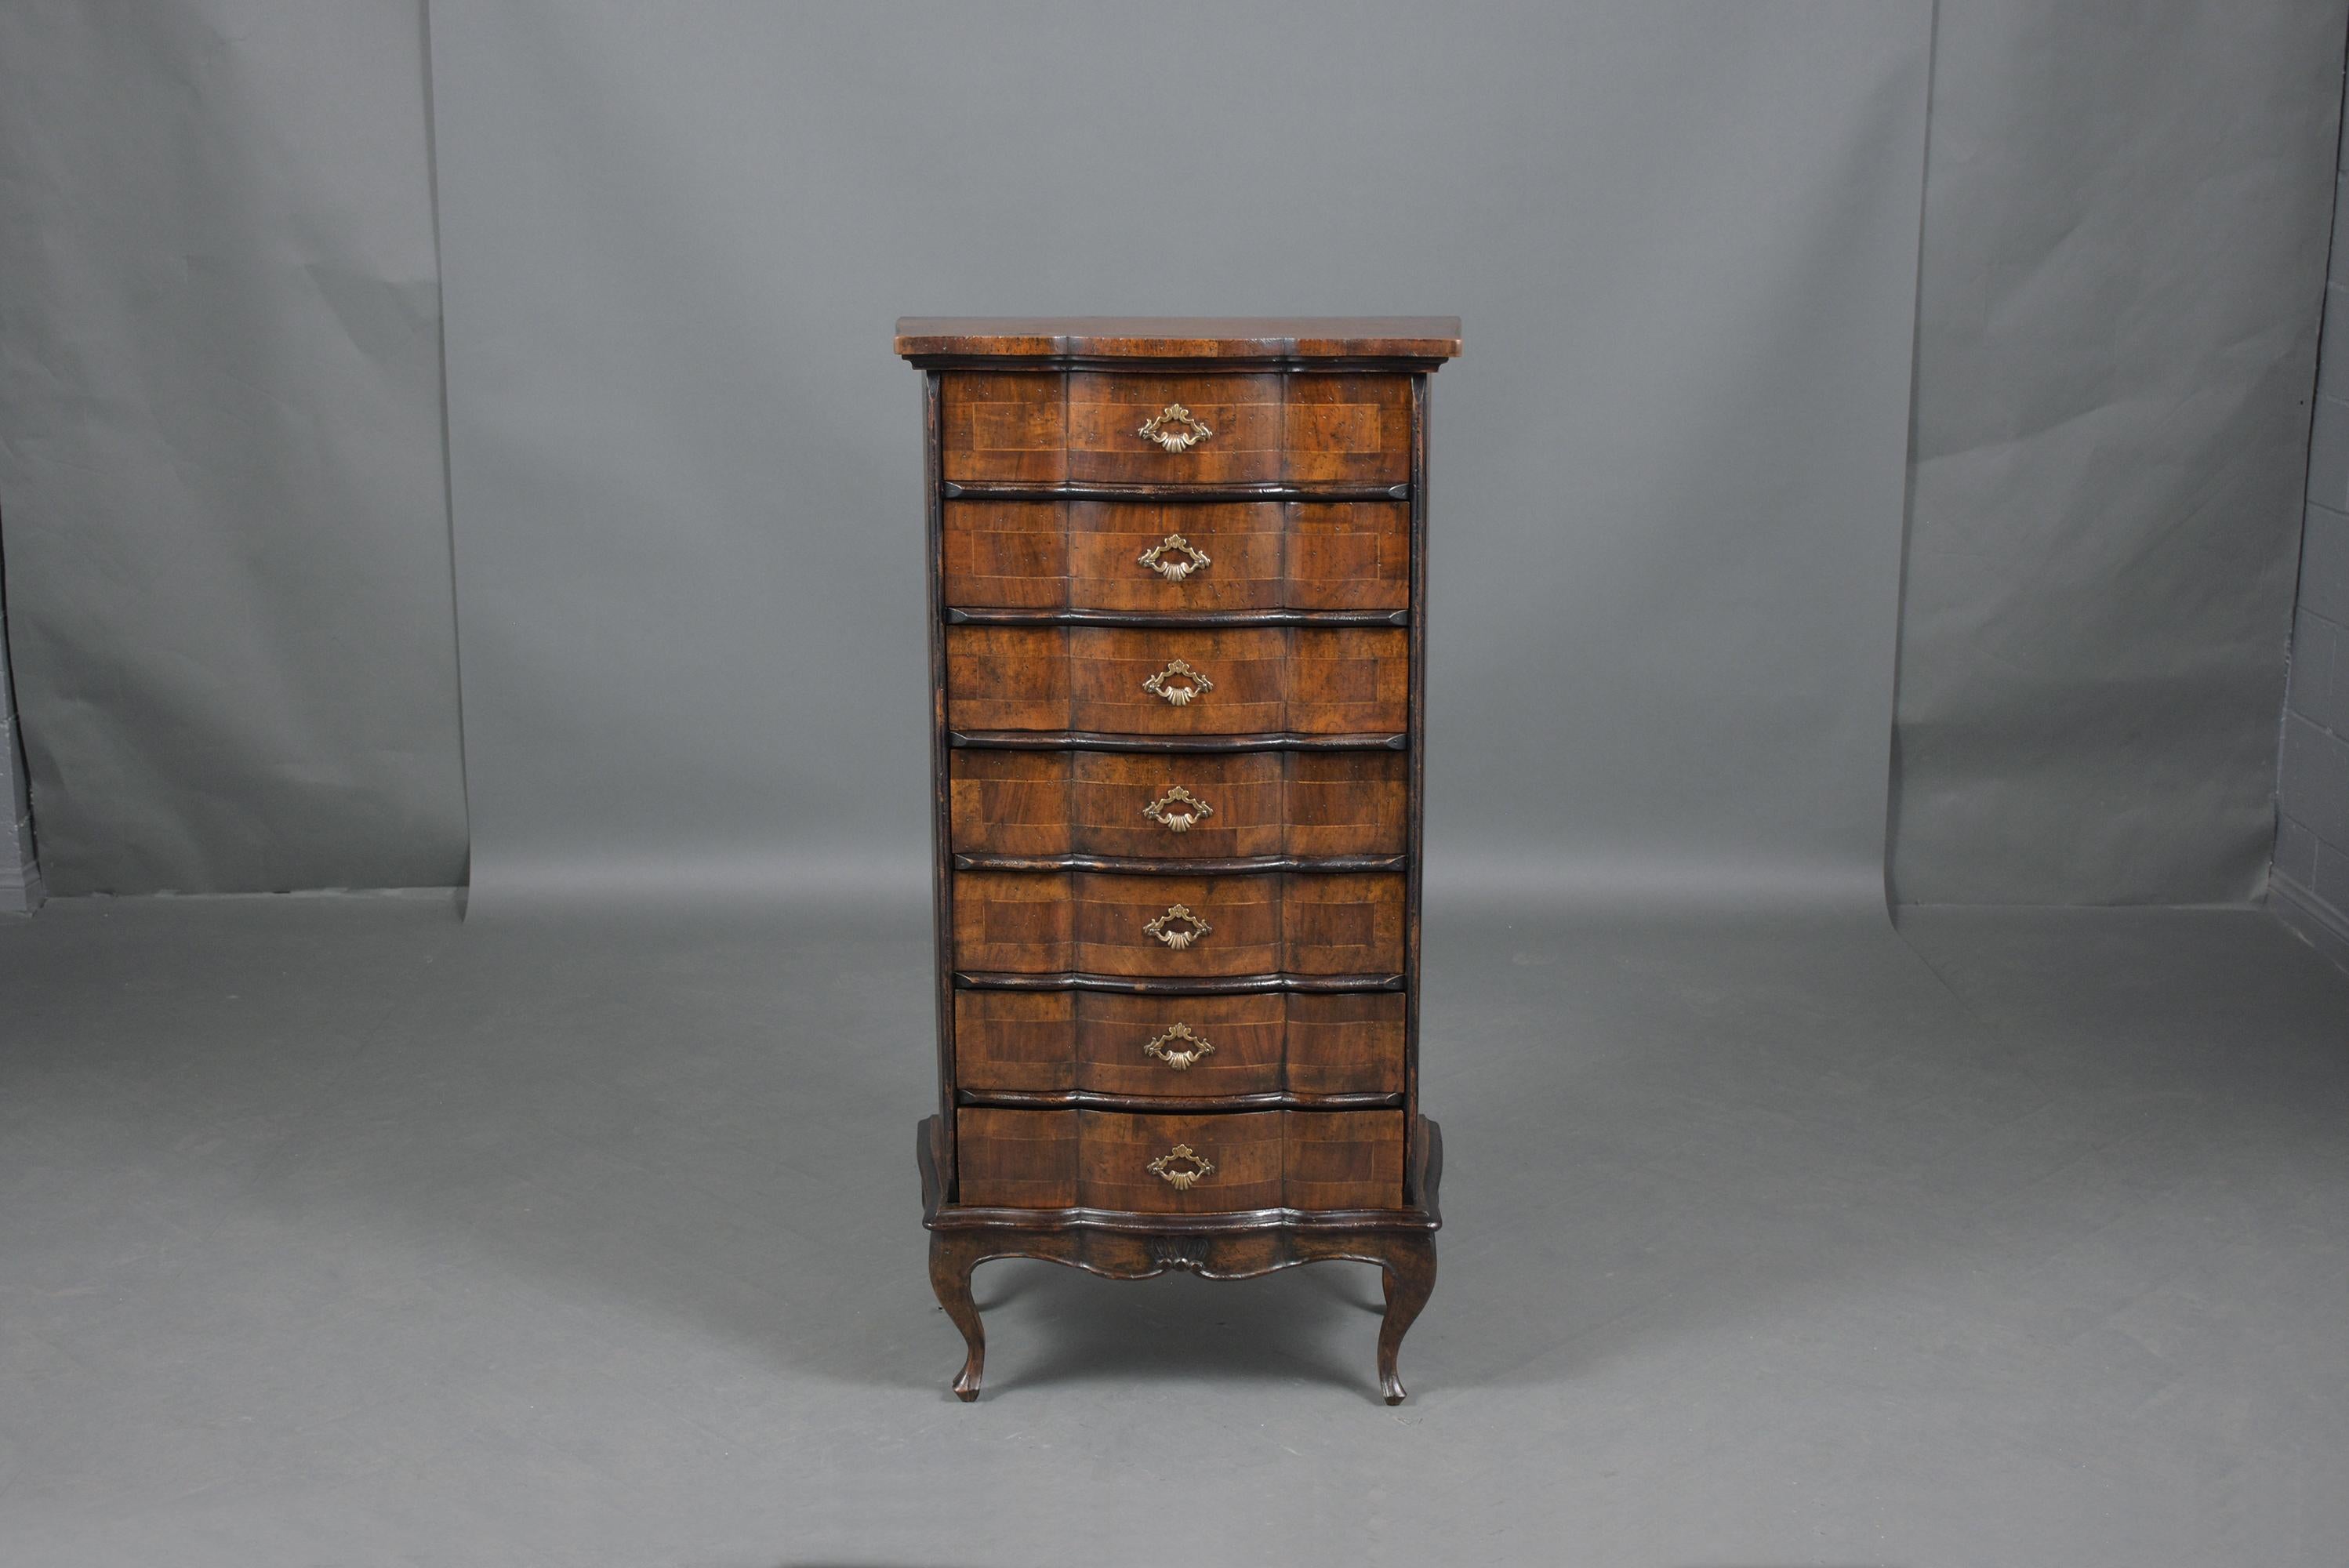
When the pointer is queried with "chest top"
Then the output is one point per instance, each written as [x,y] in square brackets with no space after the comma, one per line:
[1399,342]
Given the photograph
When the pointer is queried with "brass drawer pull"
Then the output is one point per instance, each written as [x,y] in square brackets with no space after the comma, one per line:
[1174,558]
[1179,1167]
[1179,927]
[1178,810]
[1186,1048]
[1178,694]
[1175,427]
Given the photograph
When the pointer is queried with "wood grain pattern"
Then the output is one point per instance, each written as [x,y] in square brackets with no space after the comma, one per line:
[1047,1041]
[1346,429]
[1261,556]
[1308,502]
[1260,1159]
[1018,1159]
[1002,425]
[1340,1160]
[1263,803]
[1300,679]
[1115,1151]
[1107,412]
[1041,922]
[1300,337]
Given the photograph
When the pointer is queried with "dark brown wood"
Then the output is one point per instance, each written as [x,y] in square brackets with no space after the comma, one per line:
[1185,928]
[1257,1043]
[1162,1162]
[1169,745]
[1246,1097]
[1256,802]
[1142,986]
[1303,338]
[1251,680]
[1231,557]
[1241,1245]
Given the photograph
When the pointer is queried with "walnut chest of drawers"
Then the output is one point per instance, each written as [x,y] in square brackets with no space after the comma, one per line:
[1177,573]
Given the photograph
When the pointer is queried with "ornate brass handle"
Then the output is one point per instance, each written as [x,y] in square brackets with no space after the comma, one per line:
[1178,1048]
[1178,683]
[1175,427]
[1178,810]
[1179,927]
[1179,1167]
[1174,558]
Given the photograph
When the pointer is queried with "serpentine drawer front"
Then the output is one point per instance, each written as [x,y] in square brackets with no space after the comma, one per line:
[1177,573]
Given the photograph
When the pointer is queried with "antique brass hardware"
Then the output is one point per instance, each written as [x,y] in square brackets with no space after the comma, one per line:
[1179,1167]
[1176,428]
[1178,810]
[1174,558]
[1185,1047]
[1178,695]
[1179,927]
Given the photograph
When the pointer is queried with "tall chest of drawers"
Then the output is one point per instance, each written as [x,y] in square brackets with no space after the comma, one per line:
[1177,573]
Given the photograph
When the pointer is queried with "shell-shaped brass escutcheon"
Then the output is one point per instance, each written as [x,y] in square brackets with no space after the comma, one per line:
[1178,810]
[1177,683]
[1176,428]
[1178,1048]
[1179,1167]
[1174,558]
[1179,927]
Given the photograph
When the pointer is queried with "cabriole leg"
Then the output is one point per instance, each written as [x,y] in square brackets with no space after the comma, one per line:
[952,1257]
[1408,1275]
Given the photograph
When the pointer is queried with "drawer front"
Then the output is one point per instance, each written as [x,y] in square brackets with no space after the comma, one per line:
[1172,1164]
[1098,922]
[1199,806]
[1177,556]
[1124,680]
[1218,428]
[1052,1041]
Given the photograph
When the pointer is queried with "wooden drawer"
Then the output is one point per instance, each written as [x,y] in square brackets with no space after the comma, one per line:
[1171,1164]
[1126,803]
[1043,1042]
[1088,427]
[1168,556]
[1098,922]
[1125,680]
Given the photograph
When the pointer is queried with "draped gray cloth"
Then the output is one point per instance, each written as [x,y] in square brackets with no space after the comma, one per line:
[227,537]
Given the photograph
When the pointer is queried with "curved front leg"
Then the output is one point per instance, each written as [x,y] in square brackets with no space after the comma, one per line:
[1407,1274]
[952,1257]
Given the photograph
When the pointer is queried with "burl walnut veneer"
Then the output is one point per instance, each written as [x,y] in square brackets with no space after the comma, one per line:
[1177,663]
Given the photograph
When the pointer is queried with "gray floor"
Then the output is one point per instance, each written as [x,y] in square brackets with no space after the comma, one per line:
[333,1230]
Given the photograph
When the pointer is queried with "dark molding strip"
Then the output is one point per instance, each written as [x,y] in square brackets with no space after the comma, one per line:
[957,1217]
[976,617]
[1093,1100]
[1151,985]
[1039,490]
[1094,740]
[1177,866]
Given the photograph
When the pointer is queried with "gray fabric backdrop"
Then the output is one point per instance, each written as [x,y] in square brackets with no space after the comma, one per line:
[220,469]
[2126,222]
[1670,469]
[220,445]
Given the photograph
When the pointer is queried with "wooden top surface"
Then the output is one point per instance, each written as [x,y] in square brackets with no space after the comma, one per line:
[1180,336]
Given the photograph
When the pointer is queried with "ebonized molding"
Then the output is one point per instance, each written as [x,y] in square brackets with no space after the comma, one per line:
[1009,490]
[1178,618]
[1223,985]
[1166,866]
[1094,740]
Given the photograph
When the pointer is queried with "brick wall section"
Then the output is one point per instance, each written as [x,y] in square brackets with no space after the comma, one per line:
[2309,888]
